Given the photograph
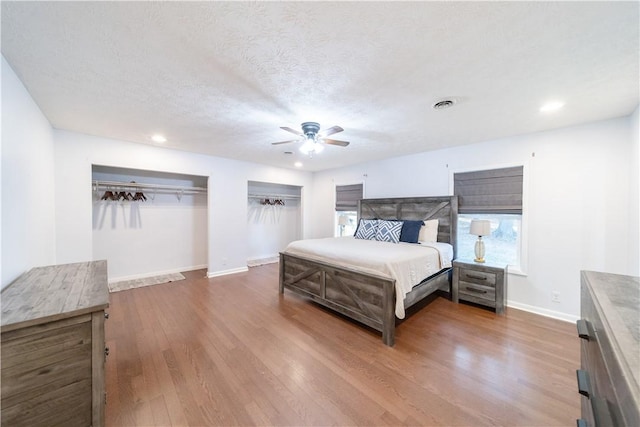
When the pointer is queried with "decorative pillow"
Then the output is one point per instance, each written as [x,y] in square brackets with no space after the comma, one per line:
[410,231]
[367,229]
[429,231]
[389,231]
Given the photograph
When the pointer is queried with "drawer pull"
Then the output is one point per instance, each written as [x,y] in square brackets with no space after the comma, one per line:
[582,423]
[584,331]
[584,385]
[478,291]
[471,276]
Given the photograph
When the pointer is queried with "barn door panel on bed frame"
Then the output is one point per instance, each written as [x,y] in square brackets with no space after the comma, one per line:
[357,295]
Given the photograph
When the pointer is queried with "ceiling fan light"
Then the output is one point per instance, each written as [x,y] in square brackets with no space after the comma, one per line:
[308,146]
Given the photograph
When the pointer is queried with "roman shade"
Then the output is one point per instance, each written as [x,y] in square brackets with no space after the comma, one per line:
[347,197]
[497,191]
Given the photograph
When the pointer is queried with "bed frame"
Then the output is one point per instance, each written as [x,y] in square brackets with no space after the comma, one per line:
[369,298]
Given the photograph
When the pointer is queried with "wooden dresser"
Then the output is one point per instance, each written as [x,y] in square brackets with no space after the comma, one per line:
[52,346]
[609,328]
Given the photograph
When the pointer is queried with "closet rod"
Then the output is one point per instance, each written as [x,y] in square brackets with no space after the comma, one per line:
[105,184]
[273,196]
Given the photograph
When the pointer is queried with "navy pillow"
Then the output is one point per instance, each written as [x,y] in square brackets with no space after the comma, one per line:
[411,231]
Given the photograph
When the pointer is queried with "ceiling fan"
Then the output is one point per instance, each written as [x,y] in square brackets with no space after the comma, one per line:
[312,138]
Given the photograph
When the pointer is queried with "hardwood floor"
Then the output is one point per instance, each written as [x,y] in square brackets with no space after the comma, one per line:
[232,351]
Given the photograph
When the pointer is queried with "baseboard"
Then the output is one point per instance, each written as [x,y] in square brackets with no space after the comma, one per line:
[211,274]
[156,273]
[254,262]
[543,312]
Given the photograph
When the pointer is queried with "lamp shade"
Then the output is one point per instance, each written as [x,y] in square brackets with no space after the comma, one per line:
[343,220]
[480,227]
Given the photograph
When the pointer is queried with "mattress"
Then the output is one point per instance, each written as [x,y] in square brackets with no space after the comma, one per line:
[407,263]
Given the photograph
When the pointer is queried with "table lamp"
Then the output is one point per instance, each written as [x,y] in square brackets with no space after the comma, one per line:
[480,227]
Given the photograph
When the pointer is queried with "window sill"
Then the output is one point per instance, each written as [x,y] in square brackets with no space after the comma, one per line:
[516,271]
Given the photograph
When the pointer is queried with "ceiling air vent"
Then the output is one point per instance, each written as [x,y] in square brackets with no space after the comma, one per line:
[445,103]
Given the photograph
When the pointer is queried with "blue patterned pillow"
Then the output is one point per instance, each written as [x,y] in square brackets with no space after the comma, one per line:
[389,231]
[367,229]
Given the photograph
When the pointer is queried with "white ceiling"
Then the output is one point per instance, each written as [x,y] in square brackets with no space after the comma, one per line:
[220,78]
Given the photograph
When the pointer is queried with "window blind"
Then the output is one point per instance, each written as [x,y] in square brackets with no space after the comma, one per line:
[347,197]
[489,191]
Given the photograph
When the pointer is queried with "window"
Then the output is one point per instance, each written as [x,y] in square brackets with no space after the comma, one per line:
[494,195]
[502,246]
[346,216]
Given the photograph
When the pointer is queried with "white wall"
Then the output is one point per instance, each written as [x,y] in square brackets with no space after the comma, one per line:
[164,234]
[634,196]
[227,196]
[28,223]
[577,209]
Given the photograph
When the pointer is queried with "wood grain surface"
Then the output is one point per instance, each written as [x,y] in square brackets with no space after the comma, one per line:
[232,351]
[46,294]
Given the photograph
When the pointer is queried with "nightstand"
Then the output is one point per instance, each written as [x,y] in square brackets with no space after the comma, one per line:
[482,284]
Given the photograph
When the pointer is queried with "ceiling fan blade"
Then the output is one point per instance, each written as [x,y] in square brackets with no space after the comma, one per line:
[288,129]
[285,142]
[331,131]
[335,142]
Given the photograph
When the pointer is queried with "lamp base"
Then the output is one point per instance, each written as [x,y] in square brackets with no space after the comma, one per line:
[479,249]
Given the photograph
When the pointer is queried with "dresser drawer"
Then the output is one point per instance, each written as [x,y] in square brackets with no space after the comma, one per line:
[479,277]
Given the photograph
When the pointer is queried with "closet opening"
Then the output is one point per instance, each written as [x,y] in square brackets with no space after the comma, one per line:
[274,220]
[148,224]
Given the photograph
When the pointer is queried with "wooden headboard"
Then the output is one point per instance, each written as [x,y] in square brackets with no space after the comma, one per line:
[442,208]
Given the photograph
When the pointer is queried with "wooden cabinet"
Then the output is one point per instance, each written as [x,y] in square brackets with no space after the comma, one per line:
[609,328]
[482,284]
[53,346]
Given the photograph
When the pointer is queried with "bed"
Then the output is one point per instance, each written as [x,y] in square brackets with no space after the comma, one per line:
[360,292]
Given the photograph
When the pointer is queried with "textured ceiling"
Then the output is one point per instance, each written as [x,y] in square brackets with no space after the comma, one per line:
[220,78]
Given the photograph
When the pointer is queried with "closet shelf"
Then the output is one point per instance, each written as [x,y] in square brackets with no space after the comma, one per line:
[273,196]
[104,185]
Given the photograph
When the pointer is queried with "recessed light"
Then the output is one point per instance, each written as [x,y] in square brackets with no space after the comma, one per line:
[298,164]
[552,106]
[158,138]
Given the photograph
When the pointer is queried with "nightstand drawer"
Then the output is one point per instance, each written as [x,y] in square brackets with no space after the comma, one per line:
[467,289]
[480,277]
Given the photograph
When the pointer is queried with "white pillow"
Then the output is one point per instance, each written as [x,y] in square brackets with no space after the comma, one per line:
[429,231]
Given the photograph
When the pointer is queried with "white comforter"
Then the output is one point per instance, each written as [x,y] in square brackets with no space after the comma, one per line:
[407,263]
